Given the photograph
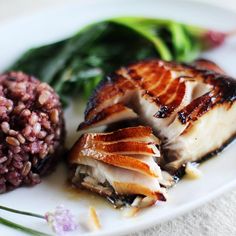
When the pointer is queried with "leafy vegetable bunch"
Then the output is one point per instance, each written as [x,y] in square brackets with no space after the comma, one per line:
[77,64]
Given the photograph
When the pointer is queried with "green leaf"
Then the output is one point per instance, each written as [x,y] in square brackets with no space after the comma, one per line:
[146,31]
[83,40]
[77,64]
[35,60]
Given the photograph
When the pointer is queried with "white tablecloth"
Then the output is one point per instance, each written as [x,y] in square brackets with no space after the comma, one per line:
[217,218]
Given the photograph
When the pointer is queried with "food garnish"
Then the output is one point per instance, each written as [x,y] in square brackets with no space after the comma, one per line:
[61,221]
[94,219]
[78,63]
[130,211]
[192,171]
[21,228]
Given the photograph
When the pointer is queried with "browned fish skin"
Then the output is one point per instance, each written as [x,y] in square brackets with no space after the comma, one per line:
[207,65]
[224,90]
[118,164]
[116,148]
[103,116]
[124,134]
[153,77]
[112,86]
[174,99]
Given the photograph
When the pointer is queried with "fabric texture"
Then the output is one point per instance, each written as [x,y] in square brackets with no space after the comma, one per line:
[216,218]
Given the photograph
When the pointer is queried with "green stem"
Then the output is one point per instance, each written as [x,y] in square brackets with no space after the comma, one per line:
[144,31]
[21,212]
[21,228]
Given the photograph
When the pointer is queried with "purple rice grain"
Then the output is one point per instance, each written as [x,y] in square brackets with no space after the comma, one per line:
[31,130]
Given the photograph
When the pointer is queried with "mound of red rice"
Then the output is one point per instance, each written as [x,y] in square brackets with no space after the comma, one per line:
[31,130]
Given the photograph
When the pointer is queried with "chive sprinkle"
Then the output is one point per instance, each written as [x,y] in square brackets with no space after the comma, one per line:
[21,228]
[21,212]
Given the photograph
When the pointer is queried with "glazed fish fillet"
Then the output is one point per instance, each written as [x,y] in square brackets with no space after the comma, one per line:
[191,108]
[120,165]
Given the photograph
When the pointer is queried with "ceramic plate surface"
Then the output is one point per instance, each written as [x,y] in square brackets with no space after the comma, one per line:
[61,21]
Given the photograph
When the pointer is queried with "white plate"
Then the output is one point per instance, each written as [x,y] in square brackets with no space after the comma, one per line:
[53,24]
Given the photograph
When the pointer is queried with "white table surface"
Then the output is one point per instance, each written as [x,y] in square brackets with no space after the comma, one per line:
[216,218]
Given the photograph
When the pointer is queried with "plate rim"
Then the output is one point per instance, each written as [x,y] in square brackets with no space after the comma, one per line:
[184,208]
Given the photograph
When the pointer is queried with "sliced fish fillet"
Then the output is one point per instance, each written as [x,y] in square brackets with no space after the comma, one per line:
[118,163]
[191,108]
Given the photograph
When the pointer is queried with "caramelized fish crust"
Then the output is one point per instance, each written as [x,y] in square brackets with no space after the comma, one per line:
[118,148]
[154,79]
[120,163]
[176,100]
